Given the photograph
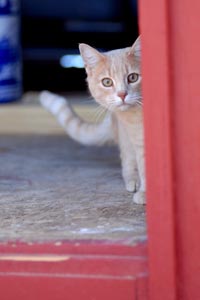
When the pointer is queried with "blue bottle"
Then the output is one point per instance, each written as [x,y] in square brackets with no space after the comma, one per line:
[10,51]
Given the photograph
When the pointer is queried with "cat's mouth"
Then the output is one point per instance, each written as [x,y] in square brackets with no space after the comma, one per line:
[123,106]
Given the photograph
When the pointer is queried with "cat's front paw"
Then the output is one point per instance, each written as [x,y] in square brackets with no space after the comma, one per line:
[132,185]
[139,197]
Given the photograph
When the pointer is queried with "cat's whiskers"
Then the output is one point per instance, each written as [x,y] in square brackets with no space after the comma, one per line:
[98,114]
[95,114]
[111,105]
[112,102]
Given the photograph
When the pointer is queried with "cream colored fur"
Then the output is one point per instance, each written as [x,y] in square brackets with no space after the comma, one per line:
[122,99]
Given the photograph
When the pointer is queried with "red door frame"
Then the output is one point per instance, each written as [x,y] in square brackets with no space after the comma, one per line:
[171,86]
[93,270]
[87,270]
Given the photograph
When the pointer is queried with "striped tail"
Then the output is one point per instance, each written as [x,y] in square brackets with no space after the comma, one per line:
[79,130]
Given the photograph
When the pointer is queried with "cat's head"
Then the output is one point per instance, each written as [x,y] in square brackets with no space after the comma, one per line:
[114,77]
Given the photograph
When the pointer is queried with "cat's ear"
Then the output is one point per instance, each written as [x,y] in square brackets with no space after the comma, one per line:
[90,56]
[136,48]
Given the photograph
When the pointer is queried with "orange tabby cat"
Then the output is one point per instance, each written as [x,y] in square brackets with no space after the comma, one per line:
[114,80]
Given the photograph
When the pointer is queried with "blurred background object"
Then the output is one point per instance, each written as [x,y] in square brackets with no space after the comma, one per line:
[10,51]
[52,30]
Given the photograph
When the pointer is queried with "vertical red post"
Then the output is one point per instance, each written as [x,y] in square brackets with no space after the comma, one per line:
[158,120]
[186,73]
[171,84]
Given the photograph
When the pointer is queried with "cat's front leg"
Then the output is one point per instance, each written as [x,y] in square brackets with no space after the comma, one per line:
[140,196]
[130,174]
[129,164]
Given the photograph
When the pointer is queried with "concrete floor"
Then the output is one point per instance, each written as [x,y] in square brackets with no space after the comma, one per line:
[52,188]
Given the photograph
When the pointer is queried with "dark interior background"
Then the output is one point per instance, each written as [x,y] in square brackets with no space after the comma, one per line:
[52,28]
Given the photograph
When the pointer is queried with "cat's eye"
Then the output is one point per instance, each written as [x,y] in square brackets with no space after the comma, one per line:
[107,82]
[133,77]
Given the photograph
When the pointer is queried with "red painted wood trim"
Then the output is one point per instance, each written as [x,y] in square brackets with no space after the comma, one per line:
[185,19]
[104,247]
[171,75]
[157,93]
[73,270]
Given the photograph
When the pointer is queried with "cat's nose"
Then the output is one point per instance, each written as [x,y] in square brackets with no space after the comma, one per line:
[122,95]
